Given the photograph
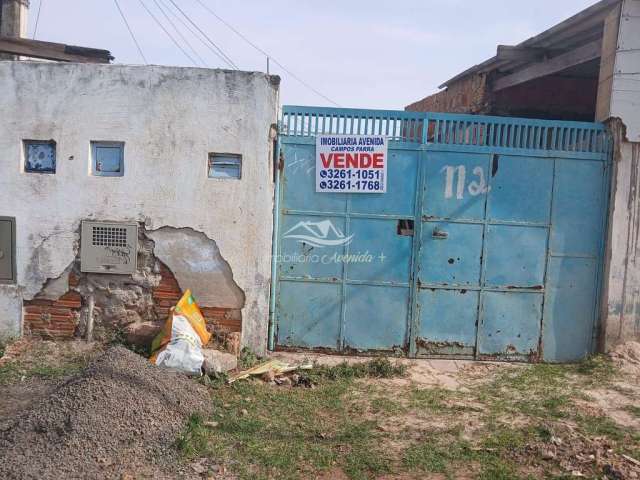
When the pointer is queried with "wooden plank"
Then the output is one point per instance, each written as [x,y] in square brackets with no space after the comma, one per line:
[53,51]
[582,54]
[516,53]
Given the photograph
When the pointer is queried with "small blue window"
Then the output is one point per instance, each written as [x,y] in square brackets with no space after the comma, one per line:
[225,165]
[107,159]
[40,156]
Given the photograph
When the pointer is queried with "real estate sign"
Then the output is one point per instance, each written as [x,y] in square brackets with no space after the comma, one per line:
[351,163]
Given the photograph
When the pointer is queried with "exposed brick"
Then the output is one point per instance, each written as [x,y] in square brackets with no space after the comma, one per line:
[51,318]
[468,95]
[168,292]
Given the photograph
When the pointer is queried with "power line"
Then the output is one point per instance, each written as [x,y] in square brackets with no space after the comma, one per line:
[193,50]
[167,32]
[35,28]
[124,19]
[269,57]
[223,56]
[188,27]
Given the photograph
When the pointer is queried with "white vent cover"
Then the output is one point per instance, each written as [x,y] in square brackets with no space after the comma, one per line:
[108,247]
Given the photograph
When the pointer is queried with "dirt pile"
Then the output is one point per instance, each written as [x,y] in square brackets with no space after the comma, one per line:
[118,417]
[627,357]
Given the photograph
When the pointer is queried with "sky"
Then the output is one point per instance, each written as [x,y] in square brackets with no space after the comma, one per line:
[356,53]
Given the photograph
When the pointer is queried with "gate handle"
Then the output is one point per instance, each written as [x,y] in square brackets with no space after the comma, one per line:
[439,234]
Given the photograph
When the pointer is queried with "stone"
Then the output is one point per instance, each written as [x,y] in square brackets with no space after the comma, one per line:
[142,334]
[232,343]
[216,361]
[548,454]
[286,381]
[268,376]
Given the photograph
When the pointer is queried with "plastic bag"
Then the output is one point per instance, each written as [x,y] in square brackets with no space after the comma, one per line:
[178,346]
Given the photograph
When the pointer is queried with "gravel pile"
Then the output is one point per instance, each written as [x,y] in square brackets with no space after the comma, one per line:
[119,418]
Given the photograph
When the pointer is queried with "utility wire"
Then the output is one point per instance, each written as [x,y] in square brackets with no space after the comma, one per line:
[35,28]
[269,57]
[124,19]
[188,27]
[223,56]
[155,19]
[193,50]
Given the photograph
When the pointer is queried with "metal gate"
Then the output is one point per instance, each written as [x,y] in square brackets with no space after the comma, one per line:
[487,244]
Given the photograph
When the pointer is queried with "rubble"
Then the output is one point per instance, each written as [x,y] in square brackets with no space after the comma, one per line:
[118,417]
[216,361]
[626,356]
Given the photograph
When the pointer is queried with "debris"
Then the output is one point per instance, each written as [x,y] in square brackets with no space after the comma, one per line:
[626,356]
[199,466]
[548,454]
[211,424]
[216,361]
[269,376]
[631,460]
[178,346]
[286,381]
[244,412]
[276,366]
[79,430]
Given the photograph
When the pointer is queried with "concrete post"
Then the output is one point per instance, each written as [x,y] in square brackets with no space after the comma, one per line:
[13,21]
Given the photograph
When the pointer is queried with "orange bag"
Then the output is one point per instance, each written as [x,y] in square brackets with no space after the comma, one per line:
[179,344]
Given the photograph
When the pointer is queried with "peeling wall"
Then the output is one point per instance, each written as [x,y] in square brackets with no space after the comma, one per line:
[196,263]
[621,289]
[169,120]
[625,89]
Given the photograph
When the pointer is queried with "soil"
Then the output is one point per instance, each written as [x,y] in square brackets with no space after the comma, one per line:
[119,418]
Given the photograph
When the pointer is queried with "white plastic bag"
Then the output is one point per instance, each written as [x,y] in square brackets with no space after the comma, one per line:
[184,350]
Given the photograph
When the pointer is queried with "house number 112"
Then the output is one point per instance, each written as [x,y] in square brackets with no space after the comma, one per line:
[475,187]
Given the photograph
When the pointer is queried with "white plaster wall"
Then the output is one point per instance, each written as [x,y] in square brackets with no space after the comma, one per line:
[621,305]
[10,312]
[170,119]
[625,92]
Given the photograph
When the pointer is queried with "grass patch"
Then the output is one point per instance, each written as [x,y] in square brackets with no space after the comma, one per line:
[435,456]
[5,341]
[633,410]
[598,369]
[376,368]
[446,453]
[247,359]
[13,372]
[430,399]
[386,405]
[601,426]
[269,432]
[368,429]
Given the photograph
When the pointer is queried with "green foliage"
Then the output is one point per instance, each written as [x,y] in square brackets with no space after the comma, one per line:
[247,359]
[376,368]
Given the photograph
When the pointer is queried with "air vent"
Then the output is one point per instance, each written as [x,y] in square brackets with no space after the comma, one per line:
[108,247]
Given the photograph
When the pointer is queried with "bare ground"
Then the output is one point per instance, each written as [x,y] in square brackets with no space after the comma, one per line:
[442,419]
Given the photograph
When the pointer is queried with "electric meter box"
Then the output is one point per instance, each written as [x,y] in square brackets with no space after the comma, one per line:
[108,247]
[7,250]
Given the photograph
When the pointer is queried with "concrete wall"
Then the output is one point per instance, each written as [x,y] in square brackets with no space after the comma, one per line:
[621,302]
[169,120]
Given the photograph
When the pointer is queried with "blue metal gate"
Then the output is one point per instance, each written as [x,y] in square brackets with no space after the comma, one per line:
[487,244]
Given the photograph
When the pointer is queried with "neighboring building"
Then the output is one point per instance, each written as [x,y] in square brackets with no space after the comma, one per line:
[585,68]
[183,154]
